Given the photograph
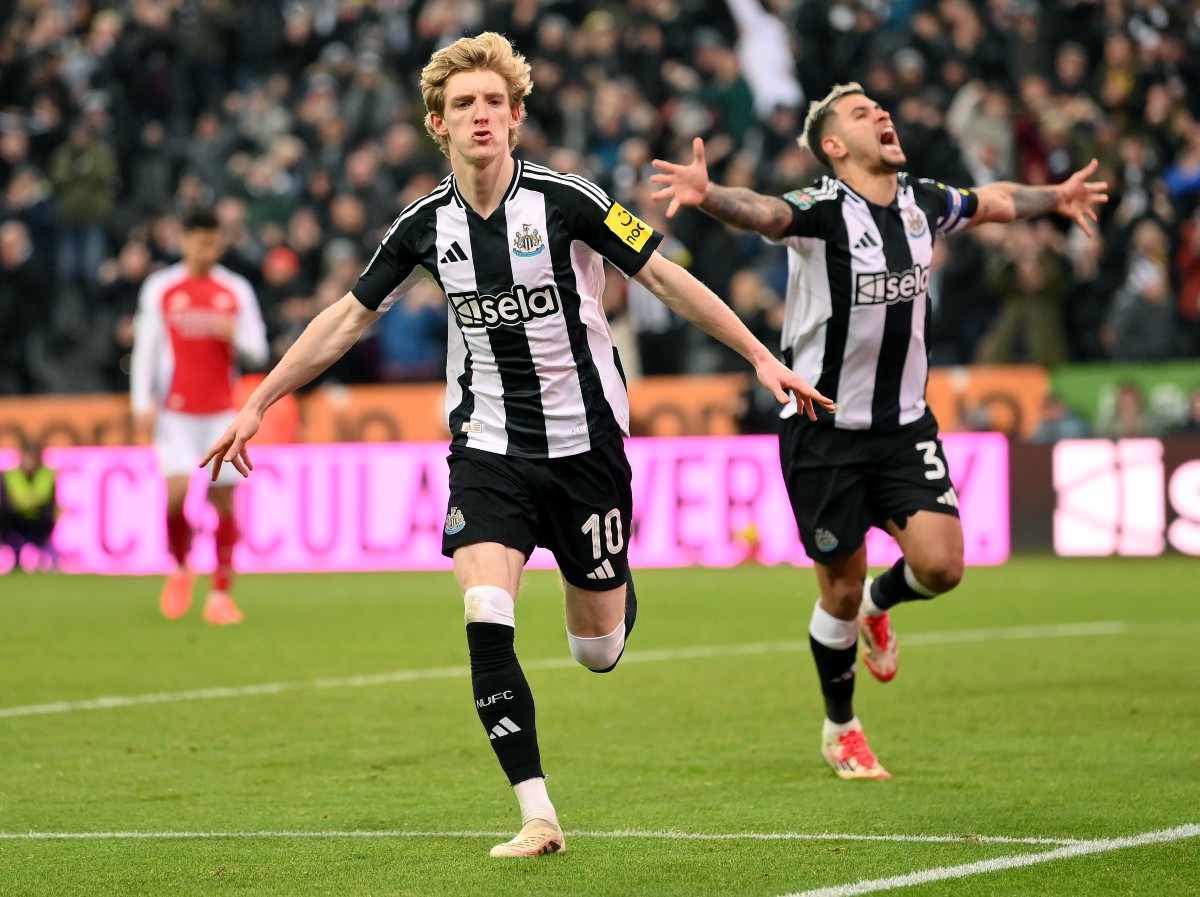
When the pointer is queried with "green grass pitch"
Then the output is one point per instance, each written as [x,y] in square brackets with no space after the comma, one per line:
[1043,712]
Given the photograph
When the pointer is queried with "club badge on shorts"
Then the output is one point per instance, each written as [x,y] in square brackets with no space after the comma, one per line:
[826,541]
[455,522]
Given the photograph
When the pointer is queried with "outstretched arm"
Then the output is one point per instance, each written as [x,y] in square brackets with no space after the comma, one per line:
[688,185]
[693,301]
[324,341]
[1076,198]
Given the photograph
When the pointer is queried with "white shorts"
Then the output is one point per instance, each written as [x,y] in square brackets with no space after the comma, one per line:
[181,440]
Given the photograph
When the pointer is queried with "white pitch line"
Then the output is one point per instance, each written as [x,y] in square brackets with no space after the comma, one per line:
[699,652]
[1081,848]
[623,833]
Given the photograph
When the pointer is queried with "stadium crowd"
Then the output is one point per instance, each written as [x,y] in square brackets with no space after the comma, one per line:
[300,123]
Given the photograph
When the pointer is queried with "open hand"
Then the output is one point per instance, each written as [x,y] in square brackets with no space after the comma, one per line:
[780,379]
[686,185]
[1079,198]
[231,447]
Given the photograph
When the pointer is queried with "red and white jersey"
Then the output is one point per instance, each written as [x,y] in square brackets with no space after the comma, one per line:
[189,334]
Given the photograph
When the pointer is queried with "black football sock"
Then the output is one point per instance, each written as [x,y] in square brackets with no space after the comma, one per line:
[892,588]
[503,700]
[630,604]
[835,669]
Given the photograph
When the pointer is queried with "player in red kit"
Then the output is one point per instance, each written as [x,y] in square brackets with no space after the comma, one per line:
[195,320]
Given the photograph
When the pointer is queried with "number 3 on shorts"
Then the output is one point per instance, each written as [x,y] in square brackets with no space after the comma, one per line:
[937,470]
[614,535]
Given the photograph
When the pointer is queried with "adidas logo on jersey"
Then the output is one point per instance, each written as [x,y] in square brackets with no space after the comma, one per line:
[866,241]
[453,254]
[502,728]
[520,306]
[604,571]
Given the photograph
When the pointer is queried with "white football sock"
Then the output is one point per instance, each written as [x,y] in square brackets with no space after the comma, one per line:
[832,730]
[535,801]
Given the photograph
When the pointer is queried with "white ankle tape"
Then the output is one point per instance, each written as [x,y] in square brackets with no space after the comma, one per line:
[830,631]
[490,604]
[598,653]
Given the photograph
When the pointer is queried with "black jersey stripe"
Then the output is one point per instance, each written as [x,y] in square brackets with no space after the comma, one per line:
[841,288]
[897,326]
[462,412]
[577,181]
[516,182]
[587,189]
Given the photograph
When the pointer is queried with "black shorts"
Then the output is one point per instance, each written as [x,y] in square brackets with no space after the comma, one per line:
[843,482]
[579,507]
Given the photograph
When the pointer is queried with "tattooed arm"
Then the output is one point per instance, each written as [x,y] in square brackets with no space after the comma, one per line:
[688,185]
[1076,198]
[769,215]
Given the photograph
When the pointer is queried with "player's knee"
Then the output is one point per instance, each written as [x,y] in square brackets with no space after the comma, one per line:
[600,654]
[937,575]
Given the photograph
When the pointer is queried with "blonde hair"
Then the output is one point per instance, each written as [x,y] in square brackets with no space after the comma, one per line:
[488,52]
[817,120]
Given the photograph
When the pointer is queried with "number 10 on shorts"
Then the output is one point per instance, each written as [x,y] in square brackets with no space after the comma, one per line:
[613,534]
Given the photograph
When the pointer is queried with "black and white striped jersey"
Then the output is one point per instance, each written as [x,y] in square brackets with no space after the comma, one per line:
[858,295]
[531,369]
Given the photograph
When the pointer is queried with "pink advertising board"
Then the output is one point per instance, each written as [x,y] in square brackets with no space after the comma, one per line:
[382,506]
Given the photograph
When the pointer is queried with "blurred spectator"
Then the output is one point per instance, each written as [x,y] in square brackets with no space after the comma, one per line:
[724,90]
[29,510]
[24,302]
[1190,425]
[962,300]
[980,119]
[27,200]
[1187,272]
[1058,422]
[372,100]
[282,282]
[1029,281]
[412,336]
[121,282]
[207,149]
[146,62]
[244,248]
[83,172]
[1141,322]
[1124,414]
[369,183]
[1095,277]
[305,238]
[764,55]
[152,176]
[761,310]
